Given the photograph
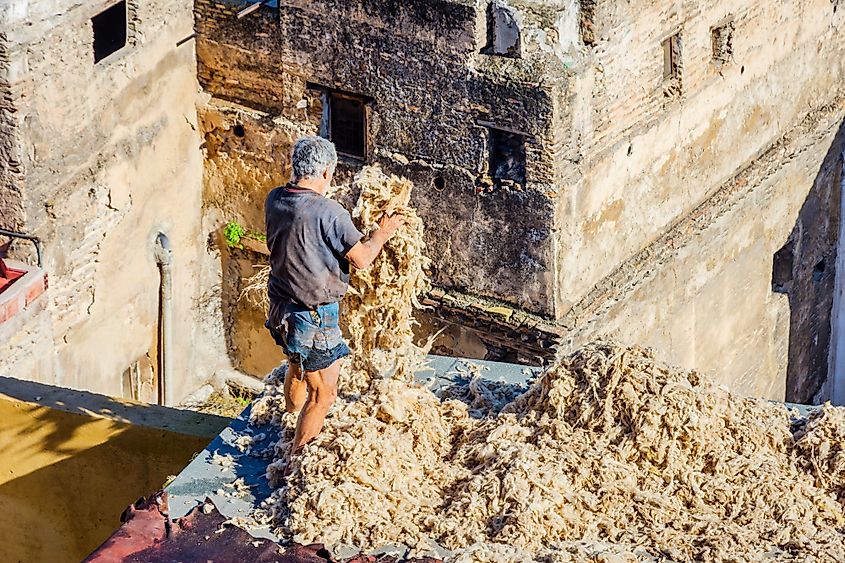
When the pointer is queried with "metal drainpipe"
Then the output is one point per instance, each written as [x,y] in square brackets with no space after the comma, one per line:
[164,259]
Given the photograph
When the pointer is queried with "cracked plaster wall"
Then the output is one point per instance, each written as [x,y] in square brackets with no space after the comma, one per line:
[700,293]
[110,159]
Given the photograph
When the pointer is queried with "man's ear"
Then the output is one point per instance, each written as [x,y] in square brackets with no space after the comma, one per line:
[327,172]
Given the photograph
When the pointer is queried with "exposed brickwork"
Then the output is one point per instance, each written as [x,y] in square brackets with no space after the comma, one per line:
[11,165]
[435,98]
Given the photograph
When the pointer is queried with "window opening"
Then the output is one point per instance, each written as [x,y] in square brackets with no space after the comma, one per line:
[722,40]
[503,34]
[348,124]
[782,267]
[672,65]
[109,31]
[507,158]
[818,270]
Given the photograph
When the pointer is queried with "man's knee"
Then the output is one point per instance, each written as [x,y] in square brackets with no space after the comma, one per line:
[323,393]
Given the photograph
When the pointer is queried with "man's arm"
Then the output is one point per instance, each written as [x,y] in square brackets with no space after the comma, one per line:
[364,253]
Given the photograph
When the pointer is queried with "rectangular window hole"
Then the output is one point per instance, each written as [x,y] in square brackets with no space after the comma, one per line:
[507,158]
[818,270]
[503,34]
[347,124]
[783,265]
[109,31]
[722,37]
[672,65]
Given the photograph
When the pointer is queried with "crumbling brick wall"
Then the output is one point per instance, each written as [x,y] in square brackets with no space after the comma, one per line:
[11,166]
[110,159]
[433,100]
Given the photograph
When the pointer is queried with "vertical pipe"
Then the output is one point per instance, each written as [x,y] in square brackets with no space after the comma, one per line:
[164,259]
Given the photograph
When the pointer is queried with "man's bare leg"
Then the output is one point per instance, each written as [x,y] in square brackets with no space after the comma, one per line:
[322,392]
[296,390]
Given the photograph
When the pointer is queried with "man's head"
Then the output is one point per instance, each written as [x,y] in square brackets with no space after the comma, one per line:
[314,160]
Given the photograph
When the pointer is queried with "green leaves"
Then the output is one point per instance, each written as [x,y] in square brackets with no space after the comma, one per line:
[233,232]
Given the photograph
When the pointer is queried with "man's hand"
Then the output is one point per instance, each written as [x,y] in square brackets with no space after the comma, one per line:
[364,253]
[391,223]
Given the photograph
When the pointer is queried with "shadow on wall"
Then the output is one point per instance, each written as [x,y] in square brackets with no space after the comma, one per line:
[72,461]
[250,346]
[805,270]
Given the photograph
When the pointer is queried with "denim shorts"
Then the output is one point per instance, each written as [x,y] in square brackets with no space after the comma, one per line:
[310,338]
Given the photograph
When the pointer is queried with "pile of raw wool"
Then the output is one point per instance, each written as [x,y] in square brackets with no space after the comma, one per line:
[608,456]
[608,448]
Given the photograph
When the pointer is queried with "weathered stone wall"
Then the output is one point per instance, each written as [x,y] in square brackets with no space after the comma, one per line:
[648,158]
[702,294]
[11,184]
[433,96]
[668,239]
[111,160]
[672,149]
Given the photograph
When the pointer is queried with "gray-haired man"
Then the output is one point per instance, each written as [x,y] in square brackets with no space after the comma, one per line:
[312,241]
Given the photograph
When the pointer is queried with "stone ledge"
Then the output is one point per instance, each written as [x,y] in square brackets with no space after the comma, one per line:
[497,322]
[23,290]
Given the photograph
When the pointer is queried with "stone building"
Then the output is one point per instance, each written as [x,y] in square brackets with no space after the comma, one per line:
[99,154]
[665,173]
[584,168]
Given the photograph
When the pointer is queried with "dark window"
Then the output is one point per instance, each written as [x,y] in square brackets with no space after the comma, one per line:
[722,38]
[109,31]
[507,158]
[672,57]
[783,267]
[502,32]
[818,270]
[672,66]
[348,124]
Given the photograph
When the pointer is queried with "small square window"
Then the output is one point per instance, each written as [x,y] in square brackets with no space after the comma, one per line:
[348,124]
[109,31]
[507,158]
[722,40]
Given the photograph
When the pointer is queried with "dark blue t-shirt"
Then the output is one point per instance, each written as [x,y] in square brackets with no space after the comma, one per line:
[308,236]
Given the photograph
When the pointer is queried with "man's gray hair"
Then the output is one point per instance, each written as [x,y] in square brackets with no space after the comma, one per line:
[311,156]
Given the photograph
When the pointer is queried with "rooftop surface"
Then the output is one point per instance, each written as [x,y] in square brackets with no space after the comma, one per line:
[203,478]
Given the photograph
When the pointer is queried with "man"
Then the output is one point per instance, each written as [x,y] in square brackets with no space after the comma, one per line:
[312,241]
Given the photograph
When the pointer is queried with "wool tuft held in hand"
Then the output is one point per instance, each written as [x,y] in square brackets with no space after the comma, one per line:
[379,307]
[609,456]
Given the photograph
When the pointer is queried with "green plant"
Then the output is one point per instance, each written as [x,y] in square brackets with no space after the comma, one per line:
[233,232]
[243,400]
